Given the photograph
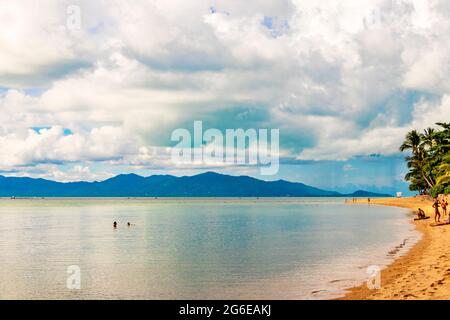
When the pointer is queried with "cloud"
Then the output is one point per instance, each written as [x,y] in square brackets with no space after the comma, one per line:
[36,45]
[339,79]
[54,172]
[53,145]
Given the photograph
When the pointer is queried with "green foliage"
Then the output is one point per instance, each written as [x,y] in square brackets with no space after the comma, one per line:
[447,189]
[429,160]
[437,190]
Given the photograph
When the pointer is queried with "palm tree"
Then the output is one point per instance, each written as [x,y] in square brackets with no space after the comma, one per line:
[444,172]
[417,162]
[443,156]
[412,142]
[428,137]
[429,161]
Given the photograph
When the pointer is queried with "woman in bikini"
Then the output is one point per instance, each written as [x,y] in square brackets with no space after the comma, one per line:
[444,205]
[437,214]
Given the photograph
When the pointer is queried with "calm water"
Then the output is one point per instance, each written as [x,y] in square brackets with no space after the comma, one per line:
[299,249]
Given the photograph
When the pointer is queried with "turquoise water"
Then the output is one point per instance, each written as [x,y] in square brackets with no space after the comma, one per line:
[195,249]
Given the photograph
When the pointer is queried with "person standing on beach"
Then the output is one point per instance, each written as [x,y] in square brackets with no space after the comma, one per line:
[437,214]
[444,205]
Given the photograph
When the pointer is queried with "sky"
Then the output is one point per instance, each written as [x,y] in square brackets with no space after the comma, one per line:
[90,89]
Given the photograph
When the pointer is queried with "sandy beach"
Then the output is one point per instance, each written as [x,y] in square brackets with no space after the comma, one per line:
[424,272]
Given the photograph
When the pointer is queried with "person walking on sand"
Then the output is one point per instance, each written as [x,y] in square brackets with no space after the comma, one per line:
[437,214]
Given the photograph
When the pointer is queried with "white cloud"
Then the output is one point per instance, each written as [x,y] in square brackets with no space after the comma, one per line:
[53,172]
[426,113]
[53,145]
[137,70]
[339,141]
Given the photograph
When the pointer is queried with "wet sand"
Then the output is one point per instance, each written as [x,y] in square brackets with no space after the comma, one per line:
[424,272]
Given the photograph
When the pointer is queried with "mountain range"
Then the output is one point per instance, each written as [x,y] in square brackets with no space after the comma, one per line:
[209,184]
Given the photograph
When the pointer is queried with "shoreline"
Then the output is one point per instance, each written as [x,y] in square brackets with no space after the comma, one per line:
[423,273]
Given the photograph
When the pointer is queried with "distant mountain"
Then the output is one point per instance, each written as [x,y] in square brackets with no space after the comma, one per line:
[207,184]
[362,193]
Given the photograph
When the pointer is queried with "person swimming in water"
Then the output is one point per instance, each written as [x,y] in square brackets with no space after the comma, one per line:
[115,225]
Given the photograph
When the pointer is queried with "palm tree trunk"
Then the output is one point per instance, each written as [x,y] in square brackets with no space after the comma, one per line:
[428,181]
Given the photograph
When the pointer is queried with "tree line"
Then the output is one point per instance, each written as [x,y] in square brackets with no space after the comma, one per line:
[429,160]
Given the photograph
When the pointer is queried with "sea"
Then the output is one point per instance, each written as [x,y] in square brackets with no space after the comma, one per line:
[266,248]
